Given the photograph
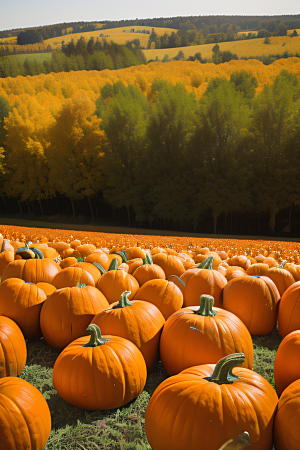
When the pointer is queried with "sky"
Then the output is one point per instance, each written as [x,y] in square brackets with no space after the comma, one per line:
[33,13]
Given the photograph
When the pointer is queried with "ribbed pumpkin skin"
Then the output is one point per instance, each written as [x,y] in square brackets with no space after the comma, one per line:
[103,377]
[258,269]
[294,269]
[289,310]
[113,283]
[13,350]
[254,301]
[202,281]
[5,258]
[287,362]
[71,276]
[148,272]
[102,258]
[22,302]
[25,420]
[90,268]
[67,313]
[282,278]
[183,346]
[32,270]
[140,323]
[286,424]
[162,293]
[188,412]
[171,264]
[46,287]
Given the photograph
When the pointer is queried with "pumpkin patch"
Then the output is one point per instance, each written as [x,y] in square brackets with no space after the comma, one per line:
[169,309]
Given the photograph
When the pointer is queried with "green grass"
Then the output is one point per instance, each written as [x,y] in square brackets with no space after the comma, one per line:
[38,57]
[119,429]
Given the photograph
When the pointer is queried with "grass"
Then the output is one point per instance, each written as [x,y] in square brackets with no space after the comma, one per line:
[119,429]
[38,57]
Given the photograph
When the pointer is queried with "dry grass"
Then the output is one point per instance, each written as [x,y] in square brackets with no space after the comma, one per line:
[244,48]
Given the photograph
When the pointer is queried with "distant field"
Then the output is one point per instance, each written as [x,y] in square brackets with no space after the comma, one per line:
[38,57]
[244,48]
[116,35]
[291,31]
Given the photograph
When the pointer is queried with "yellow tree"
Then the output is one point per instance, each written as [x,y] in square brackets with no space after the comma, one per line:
[75,150]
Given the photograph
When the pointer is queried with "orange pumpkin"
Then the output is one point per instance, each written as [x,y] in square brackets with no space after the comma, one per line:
[239,260]
[289,310]
[193,336]
[287,362]
[13,350]
[148,271]
[282,278]
[234,272]
[204,406]
[171,264]
[254,300]
[162,293]
[22,301]
[25,420]
[71,276]
[66,313]
[138,321]
[114,282]
[108,371]
[258,269]
[32,270]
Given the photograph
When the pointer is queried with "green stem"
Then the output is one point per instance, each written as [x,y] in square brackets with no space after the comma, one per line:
[206,304]
[99,267]
[80,285]
[124,301]
[113,265]
[223,370]
[282,264]
[207,263]
[96,338]
[122,254]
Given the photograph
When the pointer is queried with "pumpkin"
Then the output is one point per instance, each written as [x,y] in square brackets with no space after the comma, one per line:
[100,372]
[270,261]
[103,259]
[282,278]
[13,350]
[239,260]
[193,336]
[148,271]
[85,249]
[286,423]
[294,269]
[289,310]
[135,252]
[67,262]
[203,280]
[66,313]
[254,300]
[46,287]
[71,276]
[32,270]
[138,321]
[171,264]
[114,282]
[28,252]
[204,406]
[25,420]
[234,272]
[94,269]
[257,269]
[5,258]
[22,301]
[287,361]
[242,441]
[165,295]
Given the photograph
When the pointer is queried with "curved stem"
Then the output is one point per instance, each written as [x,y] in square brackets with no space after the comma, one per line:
[223,370]
[80,285]
[124,301]
[113,265]
[99,267]
[206,304]
[96,338]
[207,263]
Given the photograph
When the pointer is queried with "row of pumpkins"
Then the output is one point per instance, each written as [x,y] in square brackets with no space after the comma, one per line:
[194,310]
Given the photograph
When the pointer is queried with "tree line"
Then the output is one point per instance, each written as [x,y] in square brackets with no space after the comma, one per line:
[228,162]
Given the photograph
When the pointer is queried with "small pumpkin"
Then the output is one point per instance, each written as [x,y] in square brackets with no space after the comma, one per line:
[148,271]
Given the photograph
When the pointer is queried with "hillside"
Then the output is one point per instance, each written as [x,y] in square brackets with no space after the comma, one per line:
[243,49]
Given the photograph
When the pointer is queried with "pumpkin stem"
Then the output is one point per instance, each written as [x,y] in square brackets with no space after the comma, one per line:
[207,263]
[80,285]
[222,373]
[96,338]
[124,301]
[282,264]
[113,265]
[28,244]
[147,260]
[206,304]
[99,267]
[122,254]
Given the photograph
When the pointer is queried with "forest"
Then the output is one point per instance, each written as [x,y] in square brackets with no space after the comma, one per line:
[217,152]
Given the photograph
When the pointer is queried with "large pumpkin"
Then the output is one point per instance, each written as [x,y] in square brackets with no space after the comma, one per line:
[286,424]
[204,406]
[66,313]
[281,277]
[289,310]
[22,301]
[203,335]
[114,282]
[13,351]
[100,372]
[138,321]
[287,361]
[71,276]
[171,264]
[25,420]
[254,300]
